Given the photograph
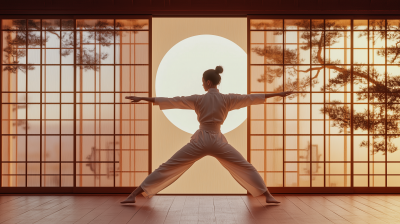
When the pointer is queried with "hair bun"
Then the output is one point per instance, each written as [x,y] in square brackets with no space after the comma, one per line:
[219,69]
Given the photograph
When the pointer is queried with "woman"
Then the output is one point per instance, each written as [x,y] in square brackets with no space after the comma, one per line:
[212,109]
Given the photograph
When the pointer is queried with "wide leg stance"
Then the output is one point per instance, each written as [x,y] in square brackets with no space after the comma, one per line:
[201,145]
[171,170]
[243,172]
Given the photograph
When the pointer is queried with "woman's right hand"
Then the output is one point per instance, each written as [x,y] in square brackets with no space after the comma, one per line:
[285,94]
[134,99]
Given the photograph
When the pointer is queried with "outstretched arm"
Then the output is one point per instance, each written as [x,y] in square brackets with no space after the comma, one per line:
[238,101]
[282,94]
[179,102]
[135,99]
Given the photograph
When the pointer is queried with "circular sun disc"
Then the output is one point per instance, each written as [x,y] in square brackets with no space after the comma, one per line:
[180,74]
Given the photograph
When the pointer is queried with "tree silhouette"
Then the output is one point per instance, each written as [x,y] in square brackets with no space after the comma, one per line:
[19,34]
[17,38]
[382,118]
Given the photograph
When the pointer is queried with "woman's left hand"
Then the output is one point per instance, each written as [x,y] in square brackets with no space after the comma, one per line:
[285,94]
[134,99]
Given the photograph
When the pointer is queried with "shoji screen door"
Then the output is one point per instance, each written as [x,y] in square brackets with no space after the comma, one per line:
[64,121]
[340,131]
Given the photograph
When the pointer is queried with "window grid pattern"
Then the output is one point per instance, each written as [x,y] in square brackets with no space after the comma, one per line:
[65,122]
[340,128]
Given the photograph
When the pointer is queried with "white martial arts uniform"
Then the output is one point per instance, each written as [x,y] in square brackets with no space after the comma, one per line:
[212,109]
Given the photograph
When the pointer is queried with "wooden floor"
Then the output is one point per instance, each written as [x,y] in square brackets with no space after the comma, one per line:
[200,209]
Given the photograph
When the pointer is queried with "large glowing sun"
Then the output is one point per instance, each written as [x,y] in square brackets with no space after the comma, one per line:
[181,70]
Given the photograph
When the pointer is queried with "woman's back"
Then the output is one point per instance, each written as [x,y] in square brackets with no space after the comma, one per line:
[212,107]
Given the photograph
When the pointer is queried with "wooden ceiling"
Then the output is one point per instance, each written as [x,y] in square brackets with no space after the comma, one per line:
[201,7]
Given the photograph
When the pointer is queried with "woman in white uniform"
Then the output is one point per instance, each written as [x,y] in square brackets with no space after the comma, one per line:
[212,109]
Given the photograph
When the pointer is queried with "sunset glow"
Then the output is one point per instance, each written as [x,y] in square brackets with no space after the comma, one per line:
[180,73]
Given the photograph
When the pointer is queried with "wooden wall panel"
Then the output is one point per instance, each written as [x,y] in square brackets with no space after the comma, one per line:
[379,3]
[200,7]
[178,3]
[392,3]
[123,3]
[61,3]
[145,3]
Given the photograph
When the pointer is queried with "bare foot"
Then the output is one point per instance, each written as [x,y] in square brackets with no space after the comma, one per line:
[129,199]
[271,199]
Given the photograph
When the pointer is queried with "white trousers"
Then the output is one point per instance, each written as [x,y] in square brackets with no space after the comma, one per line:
[205,143]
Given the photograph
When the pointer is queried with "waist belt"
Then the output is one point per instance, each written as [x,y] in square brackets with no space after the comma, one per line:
[211,127]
